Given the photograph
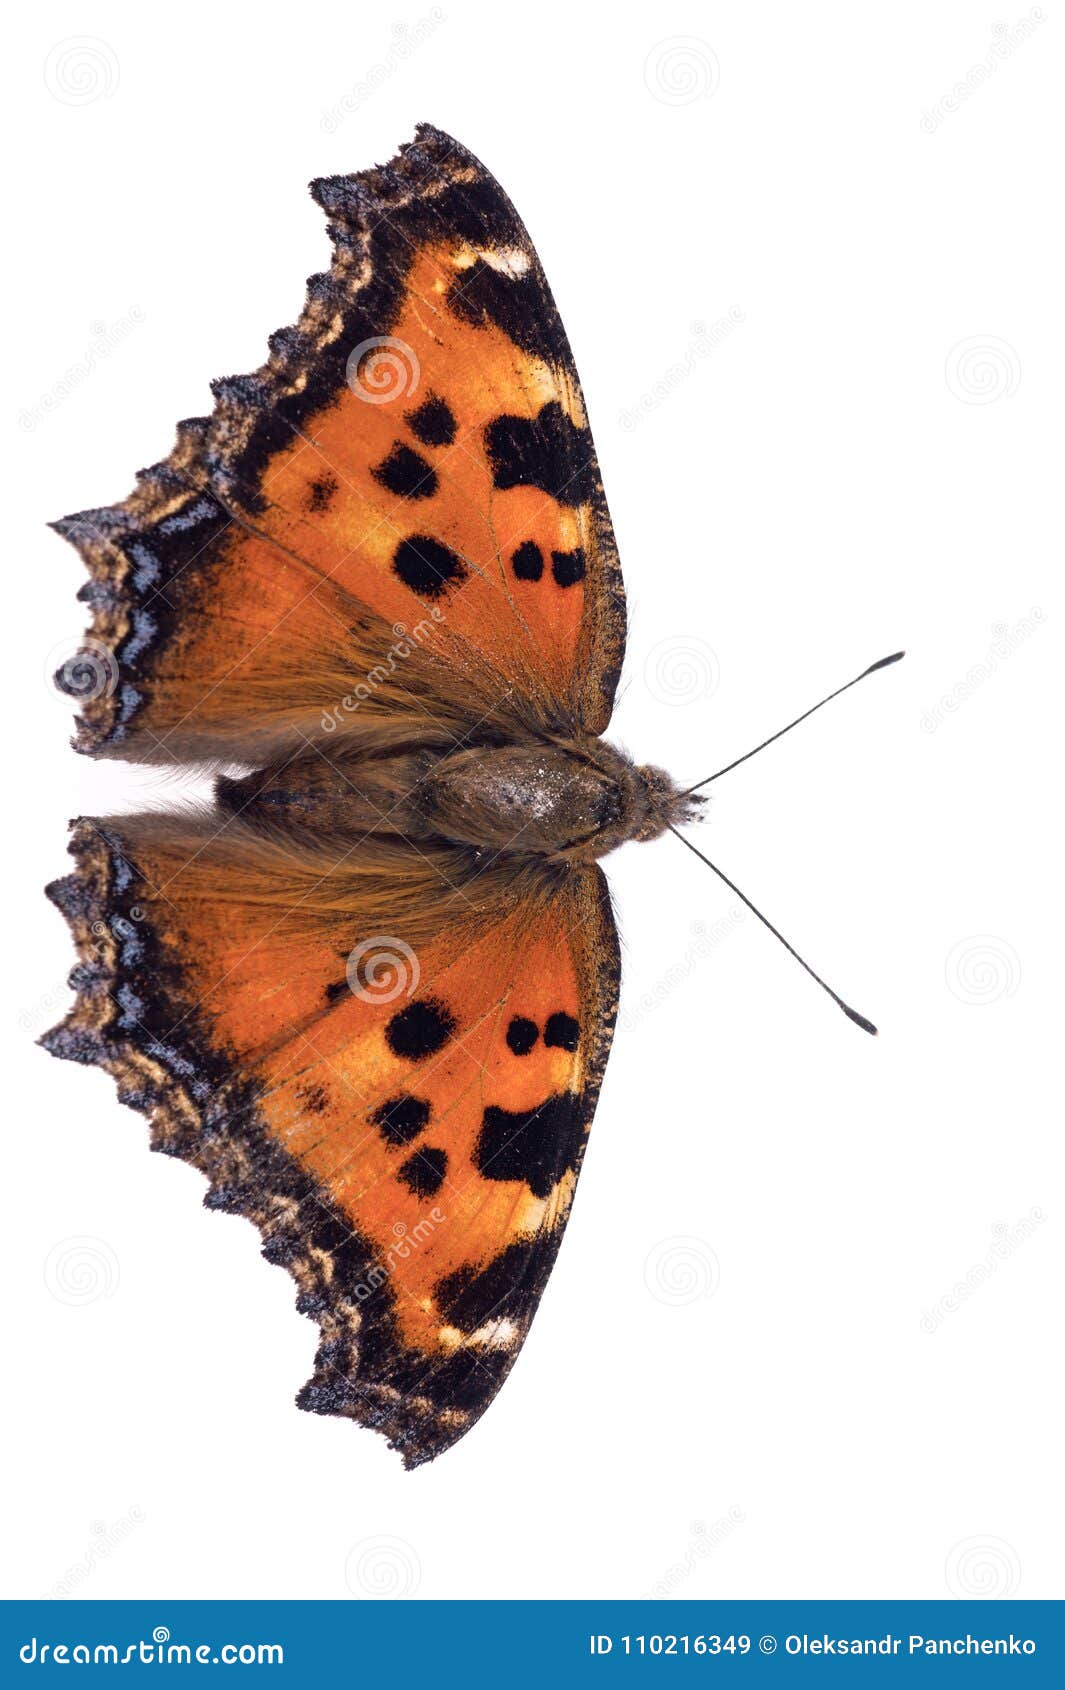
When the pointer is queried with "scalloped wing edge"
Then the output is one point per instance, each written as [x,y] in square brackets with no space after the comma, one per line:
[246,420]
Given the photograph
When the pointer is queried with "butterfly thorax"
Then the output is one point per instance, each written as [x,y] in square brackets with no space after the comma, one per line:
[564,799]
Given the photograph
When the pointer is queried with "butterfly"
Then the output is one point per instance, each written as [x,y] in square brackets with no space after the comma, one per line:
[369,992]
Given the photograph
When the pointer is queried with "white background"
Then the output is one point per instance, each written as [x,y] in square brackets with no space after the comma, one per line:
[744,1379]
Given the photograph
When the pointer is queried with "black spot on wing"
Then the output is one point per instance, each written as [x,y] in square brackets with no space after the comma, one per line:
[406,473]
[321,492]
[534,1145]
[427,566]
[546,451]
[568,567]
[517,302]
[562,1031]
[335,990]
[420,1030]
[315,1099]
[506,1289]
[423,1173]
[522,1034]
[401,1119]
[528,561]
[432,423]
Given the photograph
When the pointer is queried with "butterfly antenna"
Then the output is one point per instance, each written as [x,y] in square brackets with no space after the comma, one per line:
[852,1014]
[873,667]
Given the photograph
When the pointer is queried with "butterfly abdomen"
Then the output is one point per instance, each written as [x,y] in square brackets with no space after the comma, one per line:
[339,794]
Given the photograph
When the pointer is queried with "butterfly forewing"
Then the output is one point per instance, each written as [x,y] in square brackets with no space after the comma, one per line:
[411,467]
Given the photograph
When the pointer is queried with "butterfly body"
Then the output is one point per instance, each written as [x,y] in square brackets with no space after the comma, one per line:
[369,992]
[562,800]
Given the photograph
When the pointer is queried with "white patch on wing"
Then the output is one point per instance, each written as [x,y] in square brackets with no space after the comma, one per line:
[493,1335]
[508,260]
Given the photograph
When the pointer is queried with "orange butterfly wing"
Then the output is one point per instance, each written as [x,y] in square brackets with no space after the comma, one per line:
[404,1126]
[394,533]
[412,466]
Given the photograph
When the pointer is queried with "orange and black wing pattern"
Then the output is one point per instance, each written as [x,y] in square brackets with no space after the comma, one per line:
[405,1126]
[393,535]
[411,469]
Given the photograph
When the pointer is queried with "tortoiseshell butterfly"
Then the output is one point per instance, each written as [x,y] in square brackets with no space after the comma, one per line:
[370,993]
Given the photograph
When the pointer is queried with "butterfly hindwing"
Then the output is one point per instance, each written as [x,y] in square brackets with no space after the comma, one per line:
[408,487]
[404,1121]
